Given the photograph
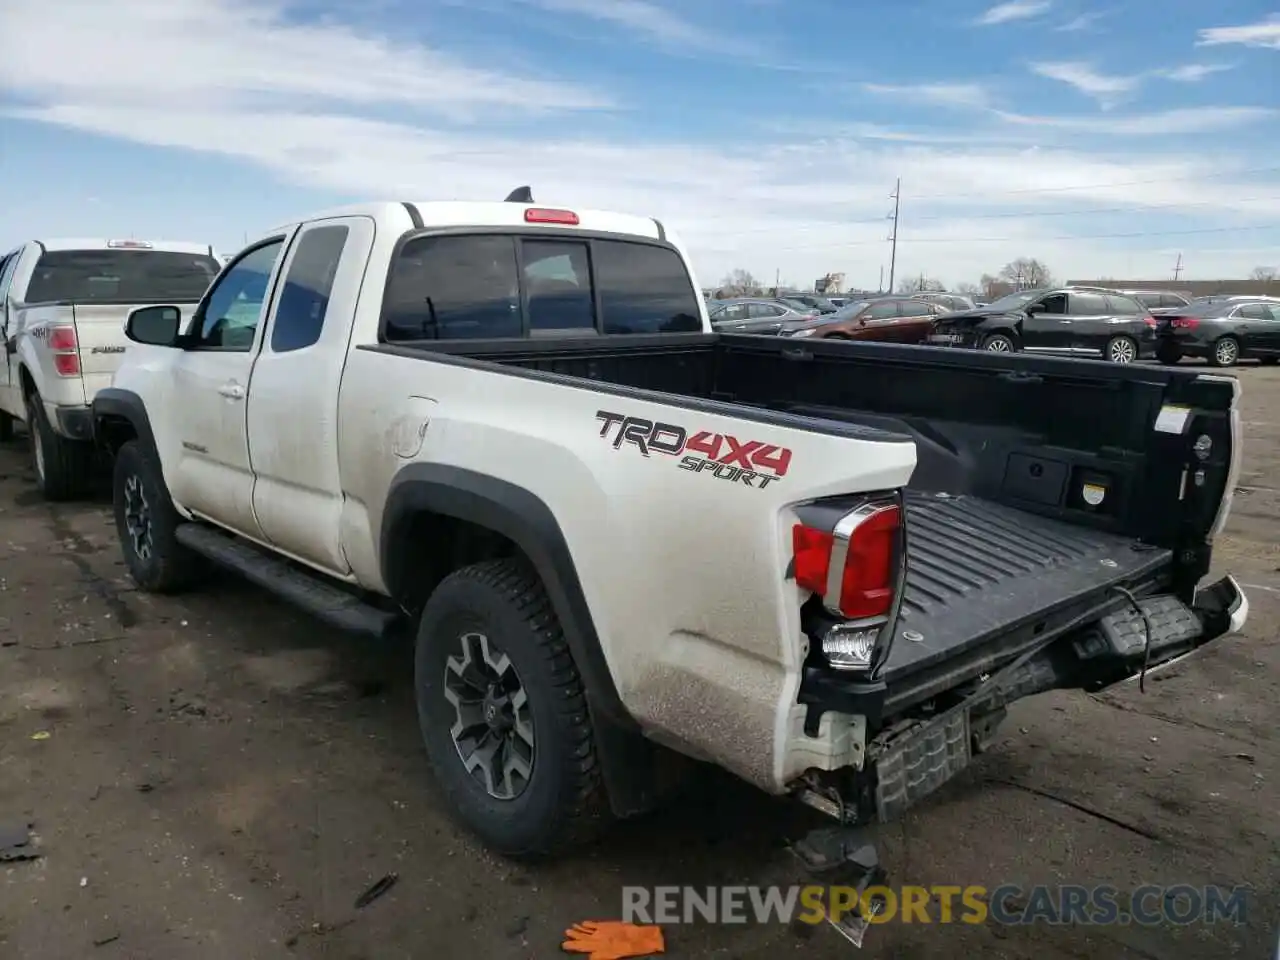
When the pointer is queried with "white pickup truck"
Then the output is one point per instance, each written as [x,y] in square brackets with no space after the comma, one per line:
[63,305]
[621,537]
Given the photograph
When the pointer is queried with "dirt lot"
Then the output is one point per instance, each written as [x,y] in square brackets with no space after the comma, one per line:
[217,777]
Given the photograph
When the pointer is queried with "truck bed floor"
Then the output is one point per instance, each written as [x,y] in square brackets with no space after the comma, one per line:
[977,568]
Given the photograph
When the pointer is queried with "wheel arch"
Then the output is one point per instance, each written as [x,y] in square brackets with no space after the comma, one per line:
[118,417]
[429,493]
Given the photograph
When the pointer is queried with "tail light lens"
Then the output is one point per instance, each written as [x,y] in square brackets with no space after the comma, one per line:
[65,350]
[1183,323]
[1150,322]
[853,567]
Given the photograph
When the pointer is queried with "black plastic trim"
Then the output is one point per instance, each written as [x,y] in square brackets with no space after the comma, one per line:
[662,231]
[75,423]
[415,216]
[738,411]
[527,521]
[112,402]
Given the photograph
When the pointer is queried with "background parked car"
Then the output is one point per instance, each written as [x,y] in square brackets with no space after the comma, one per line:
[818,303]
[1070,321]
[1157,299]
[754,315]
[1221,331]
[890,319]
[952,301]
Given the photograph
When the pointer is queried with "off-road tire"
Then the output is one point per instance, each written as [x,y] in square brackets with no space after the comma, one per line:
[63,467]
[170,566]
[563,804]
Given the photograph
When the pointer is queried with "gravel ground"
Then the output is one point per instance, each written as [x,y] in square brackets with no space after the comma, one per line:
[217,777]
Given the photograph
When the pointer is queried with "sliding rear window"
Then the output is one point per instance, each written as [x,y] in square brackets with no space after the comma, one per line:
[492,286]
[120,276]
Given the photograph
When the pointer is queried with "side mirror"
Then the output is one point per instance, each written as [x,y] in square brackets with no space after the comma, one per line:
[154,326]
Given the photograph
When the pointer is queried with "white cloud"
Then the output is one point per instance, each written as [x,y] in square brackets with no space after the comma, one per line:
[1081,22]
[349,112]
[937,94]
[1264,33]
[1107,89]
[637,15]
[251,53]
[1194,72]
[1013,10]
[1186,120]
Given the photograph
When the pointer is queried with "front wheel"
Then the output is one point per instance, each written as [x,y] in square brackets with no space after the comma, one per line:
[1226,352]
[147,523]
[999,343]
[1122,350]
[62,467]
[503,712]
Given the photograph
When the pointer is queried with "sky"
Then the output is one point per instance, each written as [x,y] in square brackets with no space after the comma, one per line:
[1103,137]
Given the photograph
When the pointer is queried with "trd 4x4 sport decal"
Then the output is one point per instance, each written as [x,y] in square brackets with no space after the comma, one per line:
[725,457]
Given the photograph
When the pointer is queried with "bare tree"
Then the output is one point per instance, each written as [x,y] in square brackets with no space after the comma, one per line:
[970,289]
[988,284]
[739,283]
[921,284]
[1027,272]
[1265,274]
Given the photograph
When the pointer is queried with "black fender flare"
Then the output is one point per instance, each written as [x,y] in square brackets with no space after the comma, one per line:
[524,519]
[113,403]
[632,766]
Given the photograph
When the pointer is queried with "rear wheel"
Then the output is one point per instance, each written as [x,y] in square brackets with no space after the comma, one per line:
[503,712]
[1168,354]
[1122,350]
[999,343]
[63,467]
[1226,352]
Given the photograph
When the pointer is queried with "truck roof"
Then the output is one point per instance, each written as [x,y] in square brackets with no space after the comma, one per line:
[166,246]
[495,213]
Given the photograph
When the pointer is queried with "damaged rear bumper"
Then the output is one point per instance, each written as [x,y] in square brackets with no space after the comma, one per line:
[908,761]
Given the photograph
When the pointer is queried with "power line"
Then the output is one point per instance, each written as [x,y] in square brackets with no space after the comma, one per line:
[1033,239]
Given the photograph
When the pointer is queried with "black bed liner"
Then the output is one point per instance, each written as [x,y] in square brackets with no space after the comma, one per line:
[977,569]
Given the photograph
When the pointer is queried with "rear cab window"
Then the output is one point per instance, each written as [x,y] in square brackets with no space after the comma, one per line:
[494,286]
[120,276]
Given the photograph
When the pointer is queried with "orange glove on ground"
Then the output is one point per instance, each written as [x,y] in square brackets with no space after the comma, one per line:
[613,940]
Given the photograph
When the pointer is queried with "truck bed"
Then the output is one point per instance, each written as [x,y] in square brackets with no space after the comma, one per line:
[977,570]
[1002,548]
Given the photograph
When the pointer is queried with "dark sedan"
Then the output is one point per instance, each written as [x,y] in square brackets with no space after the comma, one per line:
[1220,331]
[1068,321]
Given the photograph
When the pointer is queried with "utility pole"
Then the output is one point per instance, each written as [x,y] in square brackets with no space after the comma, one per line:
[893,254]
[880,288]
[1177,269]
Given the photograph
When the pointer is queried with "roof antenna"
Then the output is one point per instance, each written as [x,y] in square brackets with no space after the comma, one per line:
[520,195]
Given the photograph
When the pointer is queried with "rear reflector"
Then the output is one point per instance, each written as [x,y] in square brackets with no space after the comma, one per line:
[544,215]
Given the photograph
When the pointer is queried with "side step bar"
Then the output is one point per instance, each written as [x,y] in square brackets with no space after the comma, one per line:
[307,591]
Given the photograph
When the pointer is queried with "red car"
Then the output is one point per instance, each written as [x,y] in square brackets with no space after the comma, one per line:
[888,319]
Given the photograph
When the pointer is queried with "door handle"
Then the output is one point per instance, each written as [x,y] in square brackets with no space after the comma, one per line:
[232,391]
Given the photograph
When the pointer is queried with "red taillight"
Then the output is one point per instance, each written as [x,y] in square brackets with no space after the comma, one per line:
[1150,322]
[544,215]
[65,350]
[1184,323]
[867,577]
